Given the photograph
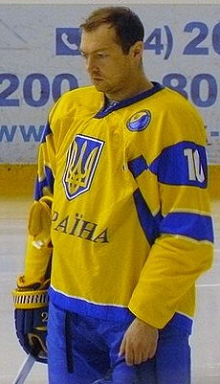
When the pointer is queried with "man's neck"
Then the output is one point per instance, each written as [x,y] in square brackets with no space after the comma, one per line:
[135,89]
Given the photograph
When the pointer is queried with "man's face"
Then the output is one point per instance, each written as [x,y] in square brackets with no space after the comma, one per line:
[108,67]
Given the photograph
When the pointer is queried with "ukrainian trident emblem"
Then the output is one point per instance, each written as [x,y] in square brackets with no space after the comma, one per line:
[81,163]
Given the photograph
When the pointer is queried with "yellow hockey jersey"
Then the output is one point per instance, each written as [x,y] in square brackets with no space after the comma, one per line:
[131,224]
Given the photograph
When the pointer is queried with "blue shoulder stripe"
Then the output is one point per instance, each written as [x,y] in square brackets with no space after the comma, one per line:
[195,226]
[47,131]
[48,182]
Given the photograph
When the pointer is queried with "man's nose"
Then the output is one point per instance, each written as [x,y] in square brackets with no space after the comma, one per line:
[90,63]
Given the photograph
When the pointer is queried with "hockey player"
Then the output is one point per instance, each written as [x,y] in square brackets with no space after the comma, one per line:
[121,200]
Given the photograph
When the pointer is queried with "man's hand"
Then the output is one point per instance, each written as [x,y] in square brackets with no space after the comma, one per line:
[139,342]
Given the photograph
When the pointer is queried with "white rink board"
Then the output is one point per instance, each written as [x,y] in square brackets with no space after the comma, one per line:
[40,59]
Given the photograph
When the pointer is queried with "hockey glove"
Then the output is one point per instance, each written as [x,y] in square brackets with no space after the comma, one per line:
[31,314]
[31,297]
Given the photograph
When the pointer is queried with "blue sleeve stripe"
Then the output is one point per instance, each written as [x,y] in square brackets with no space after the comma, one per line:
[137,166]
[48,182]
[198,227]
[184,163]
[147,220]
[47,131]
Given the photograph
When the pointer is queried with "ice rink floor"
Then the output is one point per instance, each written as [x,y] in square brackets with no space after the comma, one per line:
[206,337]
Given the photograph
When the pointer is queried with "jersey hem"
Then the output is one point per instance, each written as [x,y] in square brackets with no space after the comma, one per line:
[88,308]
[109,311]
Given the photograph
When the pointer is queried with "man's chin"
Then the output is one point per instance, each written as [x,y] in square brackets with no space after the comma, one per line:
[99,85]
[100,88]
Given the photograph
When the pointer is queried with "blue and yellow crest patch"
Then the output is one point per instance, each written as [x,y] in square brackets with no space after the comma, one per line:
[139,121]
[81,163]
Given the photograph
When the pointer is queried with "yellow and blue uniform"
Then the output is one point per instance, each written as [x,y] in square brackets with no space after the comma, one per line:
[130,205]
[131,223]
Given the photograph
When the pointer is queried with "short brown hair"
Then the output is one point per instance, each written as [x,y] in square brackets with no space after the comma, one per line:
[128,27]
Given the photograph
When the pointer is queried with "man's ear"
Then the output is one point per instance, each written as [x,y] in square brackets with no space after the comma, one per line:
[137,49]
